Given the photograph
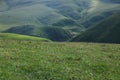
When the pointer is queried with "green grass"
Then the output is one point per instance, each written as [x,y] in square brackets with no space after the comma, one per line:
[10,36]
[33,60]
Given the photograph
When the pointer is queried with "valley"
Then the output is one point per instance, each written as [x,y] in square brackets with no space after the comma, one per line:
[71,16]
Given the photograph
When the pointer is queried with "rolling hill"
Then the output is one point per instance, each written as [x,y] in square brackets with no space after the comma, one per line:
[68,17]
[52,33]
[106,31]
[51,12]
[9,36]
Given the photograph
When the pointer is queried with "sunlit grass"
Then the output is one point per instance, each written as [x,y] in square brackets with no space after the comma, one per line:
[33,60]
[10,36]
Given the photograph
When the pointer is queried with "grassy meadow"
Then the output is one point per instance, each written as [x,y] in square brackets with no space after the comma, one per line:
[34,60]
[10,36]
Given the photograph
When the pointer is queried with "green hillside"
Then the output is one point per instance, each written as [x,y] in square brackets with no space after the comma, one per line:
[58,13]
[9,36]
[35,12]
[106,31]
[33,60]
[112,1]
[61,19]
[52,33]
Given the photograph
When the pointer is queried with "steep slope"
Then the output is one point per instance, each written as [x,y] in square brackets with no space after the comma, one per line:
[100,10]
[106,31]
[9,36]
[52,33]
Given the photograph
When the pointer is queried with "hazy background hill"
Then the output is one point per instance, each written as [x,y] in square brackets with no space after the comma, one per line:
[68,17]
[112,1]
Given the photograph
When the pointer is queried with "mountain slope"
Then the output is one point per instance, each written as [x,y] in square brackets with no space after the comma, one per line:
[9,36]
[112,1]
[52,33]
[49,12]
[67,17]
[106,31]
[31,12]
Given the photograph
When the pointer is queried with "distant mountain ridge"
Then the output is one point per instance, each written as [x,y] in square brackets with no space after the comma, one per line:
[68,16]
[40,12]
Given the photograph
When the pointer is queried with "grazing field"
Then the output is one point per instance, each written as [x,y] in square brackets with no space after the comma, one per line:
[10,36]
[34,60]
